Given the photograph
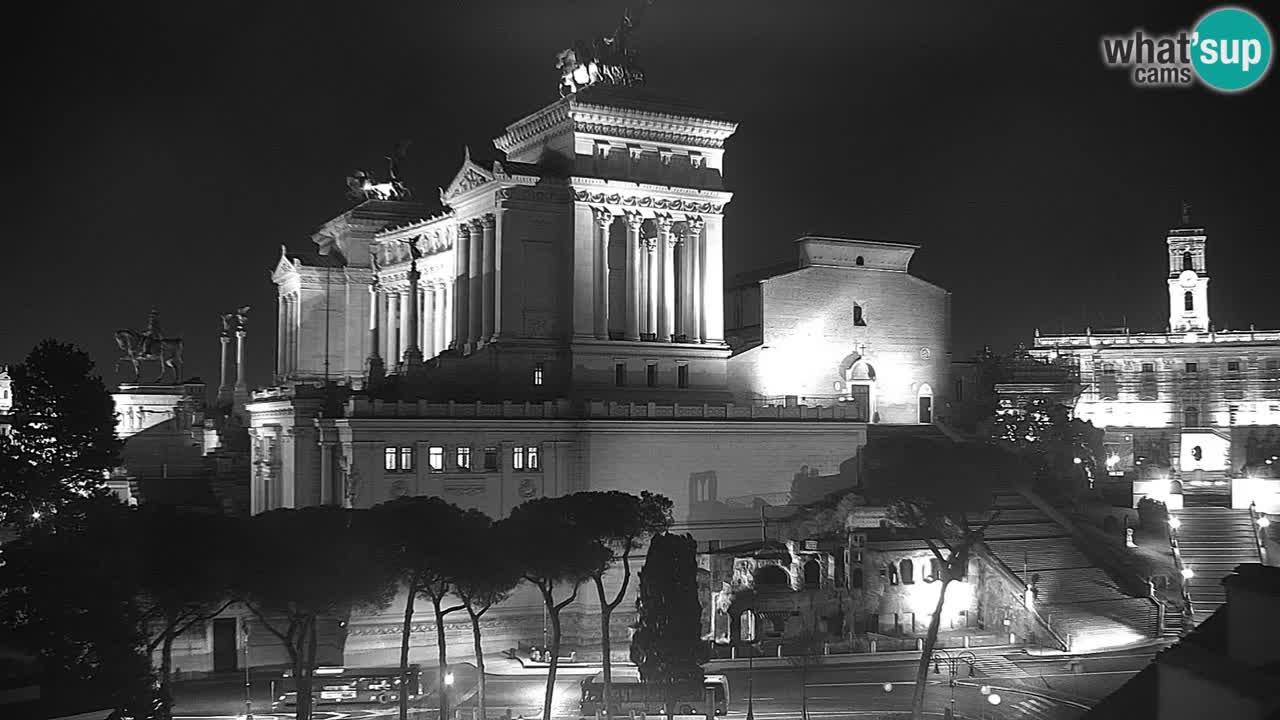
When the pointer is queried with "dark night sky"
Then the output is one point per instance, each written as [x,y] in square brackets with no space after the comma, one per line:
[164,151]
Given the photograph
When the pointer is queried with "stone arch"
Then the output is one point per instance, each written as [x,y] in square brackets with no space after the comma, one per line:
[1188,263]
[1175,487]
[772,576]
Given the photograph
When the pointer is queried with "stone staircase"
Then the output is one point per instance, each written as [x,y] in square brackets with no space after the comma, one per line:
[1081,602]
[1212,541]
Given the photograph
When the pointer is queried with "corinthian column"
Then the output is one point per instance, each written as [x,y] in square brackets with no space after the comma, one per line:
[475,286]
[440,319]
[393,323]
[604,219]
[651,285]
[634,221]
[412,323]
[488,301]
[667,282]
[241,385]
[282,312]
[224,386]
[461,289]
[693,241]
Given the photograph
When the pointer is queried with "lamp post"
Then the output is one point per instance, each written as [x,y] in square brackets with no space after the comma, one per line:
[751,658]
[248,701]
[953,662]
[444,693]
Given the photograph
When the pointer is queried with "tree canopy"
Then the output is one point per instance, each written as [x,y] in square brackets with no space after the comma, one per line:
[667,646]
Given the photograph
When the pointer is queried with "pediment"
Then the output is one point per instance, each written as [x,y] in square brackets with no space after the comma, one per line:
[469,177]
[284,267]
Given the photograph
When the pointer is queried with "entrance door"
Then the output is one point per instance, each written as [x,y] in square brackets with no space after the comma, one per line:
[224,644]
[926,409]
[860,397]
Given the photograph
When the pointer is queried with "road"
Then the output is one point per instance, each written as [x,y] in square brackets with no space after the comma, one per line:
[1030,688]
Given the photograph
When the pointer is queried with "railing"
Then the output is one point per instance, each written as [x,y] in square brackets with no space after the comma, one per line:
[1182,573]
[364,407]
[728,411]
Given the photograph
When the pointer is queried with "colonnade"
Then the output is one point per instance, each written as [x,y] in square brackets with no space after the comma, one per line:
[660,303]
[391,315]
[289,319]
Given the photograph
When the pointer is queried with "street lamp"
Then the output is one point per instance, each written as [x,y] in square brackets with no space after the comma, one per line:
[248,701]
[1174,522]
[953,662]
[1188,573]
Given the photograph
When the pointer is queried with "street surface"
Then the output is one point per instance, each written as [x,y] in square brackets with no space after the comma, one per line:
[1030,688]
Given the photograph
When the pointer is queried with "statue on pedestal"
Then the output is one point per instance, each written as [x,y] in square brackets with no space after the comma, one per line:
[363,185]
[137,347]
[604,61]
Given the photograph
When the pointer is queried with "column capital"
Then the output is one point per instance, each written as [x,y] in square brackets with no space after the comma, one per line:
[603,217]
[240,333]
[693,224]
[634,220]
[464,228]
[650,244]
[664,222]
[488,221]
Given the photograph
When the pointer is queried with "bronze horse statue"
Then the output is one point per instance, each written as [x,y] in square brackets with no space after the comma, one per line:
[136,348]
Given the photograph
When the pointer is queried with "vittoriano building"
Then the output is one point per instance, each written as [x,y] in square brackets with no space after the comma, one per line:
[561,322]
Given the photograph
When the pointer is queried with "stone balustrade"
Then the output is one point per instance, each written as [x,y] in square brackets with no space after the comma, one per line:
[359,407]
[730,411]
[1225,336]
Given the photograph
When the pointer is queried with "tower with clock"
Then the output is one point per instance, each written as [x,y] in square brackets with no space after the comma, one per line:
[1188,280]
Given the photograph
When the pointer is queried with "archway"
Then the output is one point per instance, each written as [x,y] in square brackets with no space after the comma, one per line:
[812,574]
[924,401]
[772,577]
[860,379]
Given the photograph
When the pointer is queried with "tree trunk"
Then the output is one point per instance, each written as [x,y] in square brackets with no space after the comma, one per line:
[606,610]
[475,637]
[309,642]
[930,639]
[554,614]
[443,654]
[406,633]
[297,645]
[166,675]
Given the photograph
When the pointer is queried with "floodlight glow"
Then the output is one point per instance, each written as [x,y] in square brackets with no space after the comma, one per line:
[888,687]
[994,699]
[448,678]
[985,689]
[1076,460]
[1188,573]
[1175,523]
[35,515]
[1264,521]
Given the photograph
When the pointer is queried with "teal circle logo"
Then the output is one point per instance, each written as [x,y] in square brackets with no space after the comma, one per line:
[1231,49]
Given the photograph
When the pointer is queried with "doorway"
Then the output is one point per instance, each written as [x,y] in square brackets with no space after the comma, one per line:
[224,644]
[926,409]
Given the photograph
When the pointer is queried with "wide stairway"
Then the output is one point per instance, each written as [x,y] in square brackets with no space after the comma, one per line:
[1080,601]
[1212,542]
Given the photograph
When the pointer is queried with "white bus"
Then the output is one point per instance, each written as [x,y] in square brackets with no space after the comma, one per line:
[630,694]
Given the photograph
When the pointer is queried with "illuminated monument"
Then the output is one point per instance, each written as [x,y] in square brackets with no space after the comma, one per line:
[559,324]
[1191,413]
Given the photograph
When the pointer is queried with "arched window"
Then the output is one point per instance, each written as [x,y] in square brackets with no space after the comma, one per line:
[908,570]
[857,316]
[1188,302]
[1187,262]
[1191,417]
[858,261]
[893,574]
[812,574]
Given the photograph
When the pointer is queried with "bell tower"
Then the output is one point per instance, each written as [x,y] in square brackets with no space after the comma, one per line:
[1188,277]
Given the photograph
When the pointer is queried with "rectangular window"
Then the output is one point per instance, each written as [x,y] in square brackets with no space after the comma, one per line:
[620,374]
[537,374]
[1192,367]
[1233,366]
[406,459]
[682,376]
[1148,367]
[491,458]
[651,375]
[435,458]
[464,458]
[531,457]
[517,458]
[389,459]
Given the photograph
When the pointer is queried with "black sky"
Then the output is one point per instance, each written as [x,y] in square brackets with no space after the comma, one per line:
[162,152]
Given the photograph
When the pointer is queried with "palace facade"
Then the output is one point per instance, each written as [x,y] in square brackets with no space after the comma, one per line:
[1191,413]
[560,325]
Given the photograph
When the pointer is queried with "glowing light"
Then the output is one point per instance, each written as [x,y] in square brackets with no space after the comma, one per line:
[993,698]
[330,670]
[1105,640]
[448,678]
[1264,521]
[1113,460]
[35,515]
[1188,573]
[1175,523]
[888,687]
[985,689]
[1076,460]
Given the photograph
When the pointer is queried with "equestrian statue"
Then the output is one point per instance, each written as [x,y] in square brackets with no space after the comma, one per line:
[150,345]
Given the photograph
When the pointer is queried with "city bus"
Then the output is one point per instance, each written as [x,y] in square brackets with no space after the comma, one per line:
[350,686]
[630,694]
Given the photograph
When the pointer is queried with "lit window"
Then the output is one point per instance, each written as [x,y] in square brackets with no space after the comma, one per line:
[435,458]
[491,458]
[464,458]
[1188,302]
[531,454]
[651,375]
[1233,366]
[1192,367]
[389,459]
[682,376]
[537,373]
[517,458]
[620,374]
[406,459]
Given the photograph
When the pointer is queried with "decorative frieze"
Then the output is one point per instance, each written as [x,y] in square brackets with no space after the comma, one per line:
[648,202]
